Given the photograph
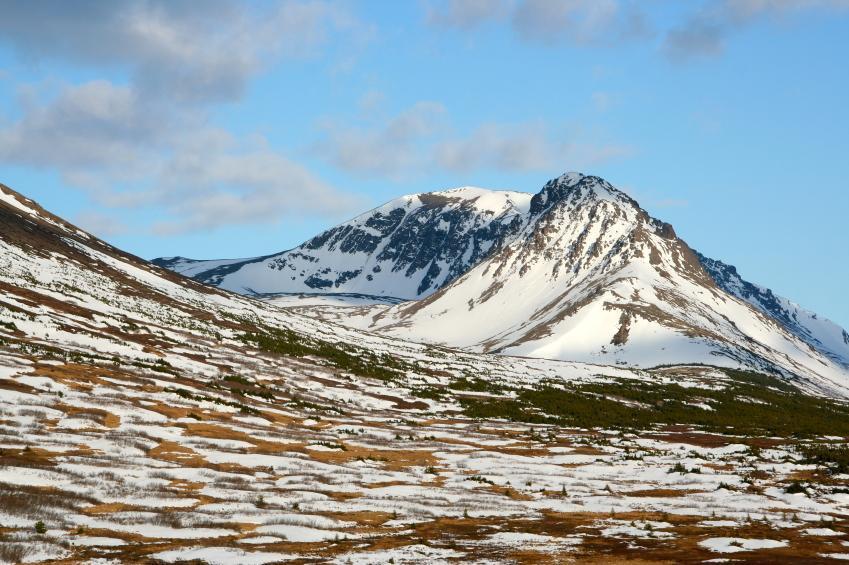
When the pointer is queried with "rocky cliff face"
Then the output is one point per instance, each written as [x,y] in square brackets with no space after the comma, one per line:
[407,248]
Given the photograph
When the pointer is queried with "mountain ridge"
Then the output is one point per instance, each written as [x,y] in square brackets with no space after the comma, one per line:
[602,281]
[405,248]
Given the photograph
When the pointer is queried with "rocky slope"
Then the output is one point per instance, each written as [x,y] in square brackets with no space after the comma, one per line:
[821,333]
[407,248]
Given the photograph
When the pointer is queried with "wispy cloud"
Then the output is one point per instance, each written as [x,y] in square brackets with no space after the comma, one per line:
[390,148]
[197,52]
[215,175]
[147,141]
[603,101]
[583,22]
[100,225]
[706,31]
[703,32]
[467,14]
[422,139]
[521,147]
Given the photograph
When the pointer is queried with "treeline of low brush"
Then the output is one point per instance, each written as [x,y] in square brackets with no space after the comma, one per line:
[751,404]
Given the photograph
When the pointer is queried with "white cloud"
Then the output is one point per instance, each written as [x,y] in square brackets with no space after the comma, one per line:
[466,14]
[596,22]
[100,224]
[421,140]
[244,183]
[388,149]
[188,51]
[705,32]
[148,142]
[95,124]
[702,33]
[522,148]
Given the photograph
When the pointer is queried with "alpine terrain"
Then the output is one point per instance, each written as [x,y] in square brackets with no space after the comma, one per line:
[577,272]
[146,417]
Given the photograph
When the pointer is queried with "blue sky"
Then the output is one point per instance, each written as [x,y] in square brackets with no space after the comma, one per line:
[219,129]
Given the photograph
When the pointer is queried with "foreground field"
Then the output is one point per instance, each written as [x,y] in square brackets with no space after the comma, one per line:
[292,461]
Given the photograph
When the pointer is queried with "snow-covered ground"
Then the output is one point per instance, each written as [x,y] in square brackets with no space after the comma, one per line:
[138,421]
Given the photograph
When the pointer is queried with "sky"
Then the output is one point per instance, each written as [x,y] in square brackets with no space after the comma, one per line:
[220,129]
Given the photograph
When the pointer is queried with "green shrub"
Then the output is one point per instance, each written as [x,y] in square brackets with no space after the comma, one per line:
[360,362]
[677,468]
[795,488]
[835,457]
[430,393]
[751,404]
[475,384]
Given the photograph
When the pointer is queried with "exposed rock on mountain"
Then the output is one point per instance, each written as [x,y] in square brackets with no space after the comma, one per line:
[146,418]
[823,334]
[407,248]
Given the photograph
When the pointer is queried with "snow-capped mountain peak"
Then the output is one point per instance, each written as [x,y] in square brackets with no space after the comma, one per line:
[592,277]
[576,187]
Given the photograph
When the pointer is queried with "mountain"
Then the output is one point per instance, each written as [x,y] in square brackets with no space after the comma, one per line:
[148,418]
[578,271]
[592,277]
[405,249]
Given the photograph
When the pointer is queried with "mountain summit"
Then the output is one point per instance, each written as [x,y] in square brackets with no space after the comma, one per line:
[140,405]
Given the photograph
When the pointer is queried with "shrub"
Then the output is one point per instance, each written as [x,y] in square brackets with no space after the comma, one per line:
[677,468]
[13,552]
[751,404]
[431,393]
[475,384]
[360,362]
[795,488]
[834,457]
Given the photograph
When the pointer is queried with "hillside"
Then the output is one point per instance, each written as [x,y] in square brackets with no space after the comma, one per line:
[145,417]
